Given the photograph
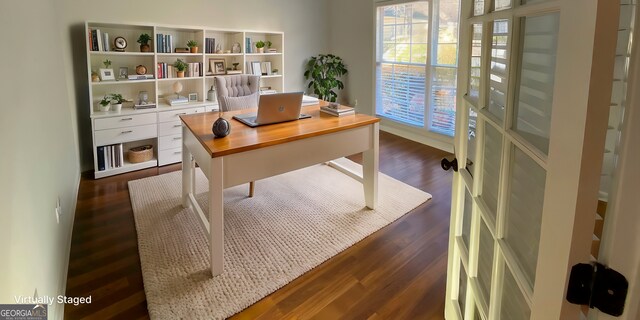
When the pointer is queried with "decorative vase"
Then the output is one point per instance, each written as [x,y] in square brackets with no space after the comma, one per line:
[104,108]
[221,128]
[211,95]
[194,49]
[141,69]
[180,74]
[117,107]
[145,48]
[143,98]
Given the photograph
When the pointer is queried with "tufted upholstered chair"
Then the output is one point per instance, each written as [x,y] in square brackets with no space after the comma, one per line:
[236,92]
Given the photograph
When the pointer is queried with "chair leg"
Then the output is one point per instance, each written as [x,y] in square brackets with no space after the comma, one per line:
[251,188]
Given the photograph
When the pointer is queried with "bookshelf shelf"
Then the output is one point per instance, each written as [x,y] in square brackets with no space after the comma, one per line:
[99,38]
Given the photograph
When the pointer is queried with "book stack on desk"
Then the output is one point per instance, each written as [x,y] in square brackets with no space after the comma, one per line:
[339,111]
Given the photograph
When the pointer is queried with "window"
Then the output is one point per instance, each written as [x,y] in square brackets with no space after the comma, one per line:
[416,64]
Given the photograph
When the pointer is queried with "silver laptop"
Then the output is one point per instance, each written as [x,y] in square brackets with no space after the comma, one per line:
[275,108]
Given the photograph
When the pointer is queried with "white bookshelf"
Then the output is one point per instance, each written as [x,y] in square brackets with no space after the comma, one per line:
[159,90]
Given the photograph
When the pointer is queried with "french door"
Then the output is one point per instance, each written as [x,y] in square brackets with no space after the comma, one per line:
[534,84]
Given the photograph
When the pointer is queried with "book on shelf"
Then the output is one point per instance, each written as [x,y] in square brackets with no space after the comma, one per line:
[247,45]
[234,71]
[339,112]
[210,45]
[99,39]
[173,101]
[140,76]
[150,105]
[182,50]
[100,155]
[110,157]
[105,45]
[265,68]
[272,50]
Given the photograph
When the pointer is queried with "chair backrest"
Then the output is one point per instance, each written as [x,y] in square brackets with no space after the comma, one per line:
[238,91]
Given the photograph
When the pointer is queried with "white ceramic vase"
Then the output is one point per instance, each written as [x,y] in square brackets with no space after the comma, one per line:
[104,108]
[117,107]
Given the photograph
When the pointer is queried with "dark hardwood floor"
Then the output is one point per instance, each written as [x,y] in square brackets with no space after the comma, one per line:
[398,272]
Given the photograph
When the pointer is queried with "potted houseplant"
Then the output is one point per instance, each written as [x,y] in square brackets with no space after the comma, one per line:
[105,103]
[143,40]
[193,45]
[180,66]
[116,101]
[324,71]
[260,45]
[274,72]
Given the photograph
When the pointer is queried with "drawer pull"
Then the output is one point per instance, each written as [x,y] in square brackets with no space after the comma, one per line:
[181,114]
[177,138]
[177,126]
[178,152]
[128,131]
[126,119]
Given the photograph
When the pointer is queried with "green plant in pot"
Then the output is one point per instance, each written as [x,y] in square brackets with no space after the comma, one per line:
[260,45]
[180,66]
[107,63]
[143,40]
[193,46]
[116,101]
[105,103]
[324,72]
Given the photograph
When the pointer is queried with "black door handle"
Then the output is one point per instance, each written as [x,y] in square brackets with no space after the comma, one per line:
[446,164]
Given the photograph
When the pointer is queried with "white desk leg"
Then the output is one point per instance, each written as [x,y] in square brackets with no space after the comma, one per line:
[216,215]
[187,172]
[370,170]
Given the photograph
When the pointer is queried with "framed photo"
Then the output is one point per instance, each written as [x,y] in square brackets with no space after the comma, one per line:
[255,67]
[123,73]
[193,96]
[107,74]
[217,66]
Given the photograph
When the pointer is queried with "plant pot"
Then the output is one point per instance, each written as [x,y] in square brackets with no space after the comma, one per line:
[145,48]
[260,50]
[117,107]
[104,108]
[194,49]
[180,74]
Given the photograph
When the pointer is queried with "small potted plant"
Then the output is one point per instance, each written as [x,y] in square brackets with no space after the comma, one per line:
[268,43]
[260,45]
[105,103]
[274,72]
[193,45]
[143,40]
[116,101]
[180,66]
[107,63]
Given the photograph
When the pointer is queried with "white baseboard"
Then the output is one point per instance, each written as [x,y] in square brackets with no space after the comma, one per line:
[435,140]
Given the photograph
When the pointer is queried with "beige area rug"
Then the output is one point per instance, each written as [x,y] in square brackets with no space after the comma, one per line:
[295,222]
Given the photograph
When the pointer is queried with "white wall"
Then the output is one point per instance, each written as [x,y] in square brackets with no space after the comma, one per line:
[304,22]
[38,152]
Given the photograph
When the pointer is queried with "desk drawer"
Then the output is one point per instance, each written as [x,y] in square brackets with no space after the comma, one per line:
[169,128]
[169,156]
[124,121]
[111,136]
[166,116]
[170,142]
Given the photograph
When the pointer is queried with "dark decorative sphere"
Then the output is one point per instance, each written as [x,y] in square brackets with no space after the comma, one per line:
[221,128]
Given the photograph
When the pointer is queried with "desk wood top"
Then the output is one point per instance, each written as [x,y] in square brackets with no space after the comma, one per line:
[244,138]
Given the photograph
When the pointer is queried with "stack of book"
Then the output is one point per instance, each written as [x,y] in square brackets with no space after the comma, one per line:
[339,111]
[110,157]
[98,41]
[140,76]
[164,42]
[173,101]
[209,45]
[148,105]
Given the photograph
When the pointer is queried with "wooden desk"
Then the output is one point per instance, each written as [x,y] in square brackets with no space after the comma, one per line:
[250,154]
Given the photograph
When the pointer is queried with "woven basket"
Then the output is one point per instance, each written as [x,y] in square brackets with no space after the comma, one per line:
[140,154]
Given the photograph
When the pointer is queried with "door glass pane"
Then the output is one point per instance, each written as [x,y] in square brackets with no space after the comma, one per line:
[491,168]
[471,144]
[513,306]
[478,7]
[532,114]
[485,260]
[499,72]
[443,100]
[462,292]
[466,218]
[501,5]
[524,212]
[476,62]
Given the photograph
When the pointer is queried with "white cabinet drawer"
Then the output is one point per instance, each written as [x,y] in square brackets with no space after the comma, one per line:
[170,142]
[111,136]
[211,108]
[169,156]
[124,121]
[166,116]
[169,128]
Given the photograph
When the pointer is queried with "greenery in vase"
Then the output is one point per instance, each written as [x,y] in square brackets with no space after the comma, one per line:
[180,65]
[260,44]
[192,43]
[107,63]
[324,71]
[117,98]
[144,39]
[106,100]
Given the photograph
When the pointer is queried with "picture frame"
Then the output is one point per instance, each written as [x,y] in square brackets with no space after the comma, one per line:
[256,68]
[193,96]
[107,74]
[123,73]
[217,66]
